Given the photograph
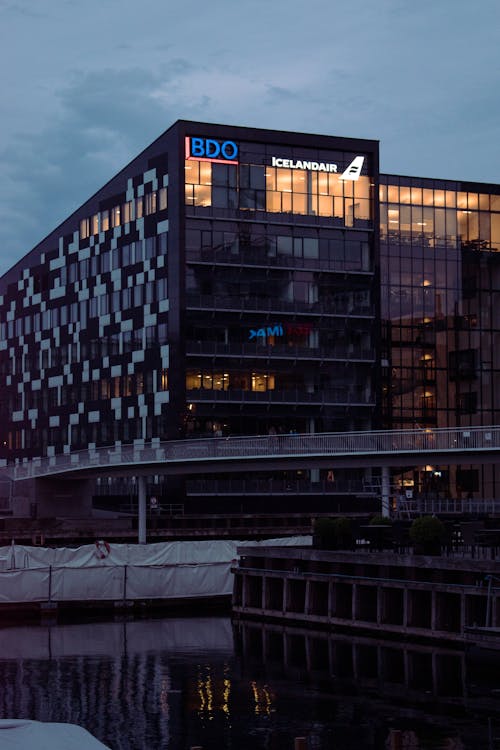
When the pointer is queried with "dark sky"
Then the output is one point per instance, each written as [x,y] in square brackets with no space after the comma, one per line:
[87,85]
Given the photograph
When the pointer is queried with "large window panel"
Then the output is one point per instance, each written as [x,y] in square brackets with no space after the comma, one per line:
[495,231]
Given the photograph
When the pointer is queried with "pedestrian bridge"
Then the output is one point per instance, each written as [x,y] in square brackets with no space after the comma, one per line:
[391,448]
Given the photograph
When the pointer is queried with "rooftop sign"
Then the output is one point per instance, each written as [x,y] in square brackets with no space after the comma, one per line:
[314,166]
[209,149]
[352,172]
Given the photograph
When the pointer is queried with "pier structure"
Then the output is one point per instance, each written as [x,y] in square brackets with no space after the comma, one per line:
[452,598]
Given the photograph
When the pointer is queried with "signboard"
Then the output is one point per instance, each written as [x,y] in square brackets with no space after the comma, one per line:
[210,149]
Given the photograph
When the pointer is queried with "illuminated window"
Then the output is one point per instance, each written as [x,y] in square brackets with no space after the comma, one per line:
[95,224]
[104,221]
[318,194]
[164,380]
[128,385]
[127,212]
[262,382]
[116,387]
[115,216]
[193,380]
[162,199]
[84,229]
[150,200]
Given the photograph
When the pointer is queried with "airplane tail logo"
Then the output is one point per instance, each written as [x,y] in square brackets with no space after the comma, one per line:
[353,171]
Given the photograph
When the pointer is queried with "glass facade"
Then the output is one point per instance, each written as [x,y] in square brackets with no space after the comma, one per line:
[280,269]
[440,275]
[254,184]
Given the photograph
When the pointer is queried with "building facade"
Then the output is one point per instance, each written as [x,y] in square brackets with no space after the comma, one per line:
[236,281]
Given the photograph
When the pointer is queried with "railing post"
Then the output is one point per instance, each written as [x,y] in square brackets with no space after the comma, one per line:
[386,510]
[141,508]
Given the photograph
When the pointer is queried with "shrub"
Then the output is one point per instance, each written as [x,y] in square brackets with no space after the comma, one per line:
[333,533]
[427,534]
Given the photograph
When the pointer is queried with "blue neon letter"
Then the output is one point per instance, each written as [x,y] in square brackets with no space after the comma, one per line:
[197,147]
[212,148]
[229,150]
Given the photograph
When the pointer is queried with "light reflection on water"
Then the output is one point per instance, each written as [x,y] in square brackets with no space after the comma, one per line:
[179,682]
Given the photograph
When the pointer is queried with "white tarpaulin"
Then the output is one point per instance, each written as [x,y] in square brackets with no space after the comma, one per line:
[21,734]
[113,572]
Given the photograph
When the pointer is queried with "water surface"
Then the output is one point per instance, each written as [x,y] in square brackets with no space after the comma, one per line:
[179,682]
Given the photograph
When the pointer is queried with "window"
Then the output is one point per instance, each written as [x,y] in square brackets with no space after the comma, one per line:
[162,199]
[462,365]
[115,216]
[150,203]
[467,403]
[84,229]
[127,212]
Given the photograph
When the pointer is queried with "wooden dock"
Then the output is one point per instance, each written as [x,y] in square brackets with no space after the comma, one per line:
[453,598]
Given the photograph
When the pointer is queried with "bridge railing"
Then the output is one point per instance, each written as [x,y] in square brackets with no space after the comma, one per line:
[383,442]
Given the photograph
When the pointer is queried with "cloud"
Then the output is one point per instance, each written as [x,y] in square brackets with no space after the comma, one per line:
[420,79]
[104,120]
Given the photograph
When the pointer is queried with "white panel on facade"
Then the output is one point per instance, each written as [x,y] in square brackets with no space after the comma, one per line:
[59,291]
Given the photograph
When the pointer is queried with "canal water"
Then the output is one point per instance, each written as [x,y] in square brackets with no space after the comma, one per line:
[176,683]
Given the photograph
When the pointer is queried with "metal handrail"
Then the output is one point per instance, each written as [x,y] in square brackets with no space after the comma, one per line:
[339,444]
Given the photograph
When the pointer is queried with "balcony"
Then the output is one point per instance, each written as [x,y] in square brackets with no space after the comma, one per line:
[220,303]
[276,486]
[348,396]
[261,259]
[349,353]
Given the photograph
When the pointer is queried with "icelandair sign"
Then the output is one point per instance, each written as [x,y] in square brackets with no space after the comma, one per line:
[352,172]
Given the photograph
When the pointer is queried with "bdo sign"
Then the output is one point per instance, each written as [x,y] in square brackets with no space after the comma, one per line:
[210,149]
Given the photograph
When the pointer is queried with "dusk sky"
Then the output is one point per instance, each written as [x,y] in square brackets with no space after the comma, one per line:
[87,85]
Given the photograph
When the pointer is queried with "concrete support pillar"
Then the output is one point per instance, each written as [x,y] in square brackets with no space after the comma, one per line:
[435,673]
[307,598]
[354,602]
[244,591]
[141,507]
[307,643]
[380,604]
[355,660]
[286,594]
[405,608]
[407,668]
[386,491]
[435,604]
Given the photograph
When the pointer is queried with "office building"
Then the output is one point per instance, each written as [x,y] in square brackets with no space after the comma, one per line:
[238,281]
